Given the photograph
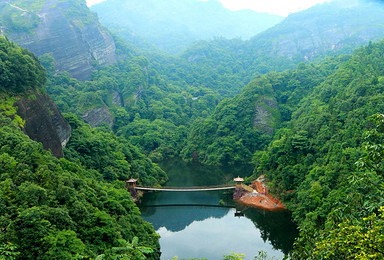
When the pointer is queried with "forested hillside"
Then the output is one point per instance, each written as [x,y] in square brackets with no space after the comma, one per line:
[242,125]
[311,145]
[337,27]
[173,25]
[73,207]
[295,101]
[316,159]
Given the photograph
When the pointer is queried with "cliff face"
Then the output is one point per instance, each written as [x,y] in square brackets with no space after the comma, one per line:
[98,116]
[266,114]
[338,26]
[70,33]
[43,121]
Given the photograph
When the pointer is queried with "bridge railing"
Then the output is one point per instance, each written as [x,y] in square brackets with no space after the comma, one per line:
[189,187]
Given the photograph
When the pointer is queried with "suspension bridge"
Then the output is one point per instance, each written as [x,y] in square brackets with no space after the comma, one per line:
[183,189]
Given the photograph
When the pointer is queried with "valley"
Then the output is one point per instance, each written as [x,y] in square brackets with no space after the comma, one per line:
[152,91]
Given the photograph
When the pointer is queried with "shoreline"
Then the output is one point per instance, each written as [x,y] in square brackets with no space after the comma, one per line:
[260,197]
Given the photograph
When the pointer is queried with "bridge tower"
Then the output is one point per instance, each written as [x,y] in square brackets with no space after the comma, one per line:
[131,183]
[239,181]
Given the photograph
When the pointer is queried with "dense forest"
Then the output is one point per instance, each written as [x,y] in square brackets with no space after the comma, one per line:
[73,207]
[308,117]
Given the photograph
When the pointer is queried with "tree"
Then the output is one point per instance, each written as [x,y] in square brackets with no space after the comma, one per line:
[350,241]
[127,251]
[374,146]
[8,252]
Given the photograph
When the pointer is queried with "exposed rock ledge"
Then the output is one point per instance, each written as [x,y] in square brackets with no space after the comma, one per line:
[43,122]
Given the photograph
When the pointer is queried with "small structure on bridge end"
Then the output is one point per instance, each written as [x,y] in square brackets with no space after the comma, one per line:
[239,181]
[131,183]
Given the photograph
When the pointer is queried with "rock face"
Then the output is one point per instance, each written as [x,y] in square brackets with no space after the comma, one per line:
[264,119]
[43,122]
[76,43]
[98,116]
[337,26]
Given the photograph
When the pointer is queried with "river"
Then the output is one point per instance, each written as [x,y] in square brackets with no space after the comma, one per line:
[210,224]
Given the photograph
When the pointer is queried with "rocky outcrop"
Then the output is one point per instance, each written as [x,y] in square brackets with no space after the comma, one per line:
[264,119]
[337,26]
[43,121]
[117,99]
[77,44]
[98,116]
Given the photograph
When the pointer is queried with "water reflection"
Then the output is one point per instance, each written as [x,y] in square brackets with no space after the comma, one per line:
[178,218]
[276,227]
[211,231]
[184,174]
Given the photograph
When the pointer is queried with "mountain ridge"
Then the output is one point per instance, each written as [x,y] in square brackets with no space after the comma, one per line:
[173,25]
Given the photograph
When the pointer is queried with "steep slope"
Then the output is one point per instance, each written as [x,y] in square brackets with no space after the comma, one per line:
[43,121]
[54,208]
[317,159]
[62,208]
[332,28]
[22,80]
[172,25]
[244,124]
[64,29]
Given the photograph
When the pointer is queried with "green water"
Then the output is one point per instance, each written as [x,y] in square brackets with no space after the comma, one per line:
[208,227]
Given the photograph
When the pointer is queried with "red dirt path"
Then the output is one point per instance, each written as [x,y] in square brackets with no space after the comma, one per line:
[261,198]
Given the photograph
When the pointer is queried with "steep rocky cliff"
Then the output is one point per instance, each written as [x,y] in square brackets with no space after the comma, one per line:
[43,121]
[67,30]
[334,27]
[267,115]
[22,81]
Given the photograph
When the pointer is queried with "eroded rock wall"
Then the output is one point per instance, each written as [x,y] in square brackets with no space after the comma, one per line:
[76,45]
[43,121]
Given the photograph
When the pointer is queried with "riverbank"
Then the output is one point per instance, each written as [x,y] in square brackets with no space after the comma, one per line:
[260,196]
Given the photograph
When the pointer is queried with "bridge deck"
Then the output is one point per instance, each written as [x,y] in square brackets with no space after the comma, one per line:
[186,188]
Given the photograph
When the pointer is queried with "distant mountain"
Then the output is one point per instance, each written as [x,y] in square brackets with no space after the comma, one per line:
[338,27]
[65,29]
[172,25]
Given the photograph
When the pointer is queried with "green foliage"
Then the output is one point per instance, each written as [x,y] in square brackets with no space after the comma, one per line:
[148,112]
[263,255]
[19,69]
[111,156]
[350,241]
[243,125]
[33,6]
[234,256]
[7,108]
[79,13]
[52,207]
[19,20]
[127,251]
[8,252]
[374,146]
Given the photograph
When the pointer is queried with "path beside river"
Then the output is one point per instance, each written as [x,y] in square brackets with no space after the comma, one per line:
[261,198]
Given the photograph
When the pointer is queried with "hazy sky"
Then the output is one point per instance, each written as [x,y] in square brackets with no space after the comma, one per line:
[280,7]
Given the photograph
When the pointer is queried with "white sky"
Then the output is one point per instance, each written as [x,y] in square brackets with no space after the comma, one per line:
[279,7]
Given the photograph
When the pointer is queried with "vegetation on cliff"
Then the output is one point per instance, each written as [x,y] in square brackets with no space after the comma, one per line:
[57,208]
[302,128]
[20,70]
[64,208]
